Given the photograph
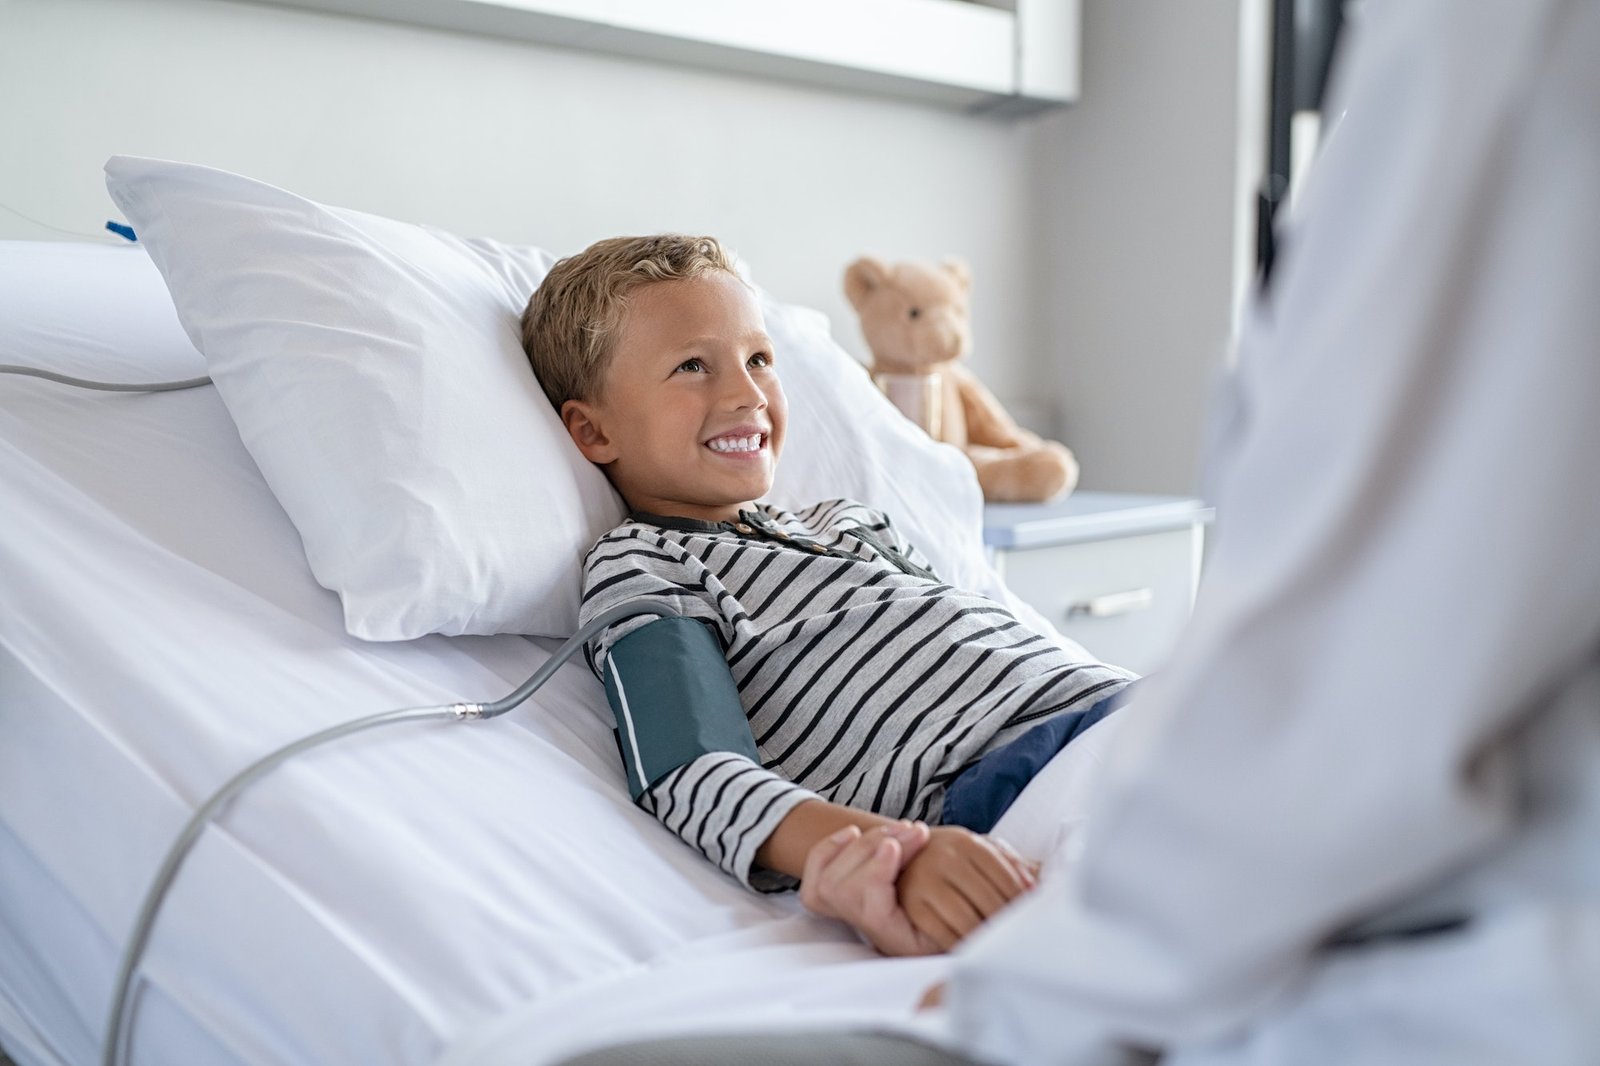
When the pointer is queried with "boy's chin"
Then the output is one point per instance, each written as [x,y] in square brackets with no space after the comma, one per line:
[727,497]
[753,486]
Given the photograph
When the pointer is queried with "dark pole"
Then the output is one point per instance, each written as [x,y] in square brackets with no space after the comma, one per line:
[1275,186]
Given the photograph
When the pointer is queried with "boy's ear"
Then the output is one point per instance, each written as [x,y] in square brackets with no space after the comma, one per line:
[583,426]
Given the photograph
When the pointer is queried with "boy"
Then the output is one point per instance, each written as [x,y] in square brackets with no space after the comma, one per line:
[822,681]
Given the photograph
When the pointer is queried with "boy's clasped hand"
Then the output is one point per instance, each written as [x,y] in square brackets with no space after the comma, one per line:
[911,888]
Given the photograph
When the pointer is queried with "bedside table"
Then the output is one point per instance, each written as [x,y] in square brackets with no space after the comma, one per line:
[1113,571]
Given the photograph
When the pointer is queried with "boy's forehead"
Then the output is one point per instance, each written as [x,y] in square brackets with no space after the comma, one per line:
[686,312]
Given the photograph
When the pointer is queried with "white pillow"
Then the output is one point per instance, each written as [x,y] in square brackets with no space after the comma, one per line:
[375,375]
[374,372]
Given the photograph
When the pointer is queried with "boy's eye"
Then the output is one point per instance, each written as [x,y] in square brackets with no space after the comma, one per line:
[761,359]
[693,366]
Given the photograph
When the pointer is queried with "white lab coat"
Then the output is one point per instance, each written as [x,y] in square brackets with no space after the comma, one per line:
[1386,711]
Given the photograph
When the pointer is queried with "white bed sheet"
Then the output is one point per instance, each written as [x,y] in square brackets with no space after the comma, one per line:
[389,898]
[470,894]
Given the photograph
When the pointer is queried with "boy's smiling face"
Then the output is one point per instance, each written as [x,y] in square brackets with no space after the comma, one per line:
[690,417]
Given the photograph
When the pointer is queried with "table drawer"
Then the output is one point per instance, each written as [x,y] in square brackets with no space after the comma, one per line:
[1125,598]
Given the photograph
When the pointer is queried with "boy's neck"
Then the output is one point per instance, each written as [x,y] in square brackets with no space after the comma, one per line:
[692,517]
[689,511]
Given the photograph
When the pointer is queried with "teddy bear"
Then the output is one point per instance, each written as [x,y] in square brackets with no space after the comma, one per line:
[916,323]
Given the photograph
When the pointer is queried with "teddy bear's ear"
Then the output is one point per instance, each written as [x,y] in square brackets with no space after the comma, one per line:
[958,269]
[862,278]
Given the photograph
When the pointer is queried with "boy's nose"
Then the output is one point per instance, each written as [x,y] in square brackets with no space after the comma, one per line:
[745,391]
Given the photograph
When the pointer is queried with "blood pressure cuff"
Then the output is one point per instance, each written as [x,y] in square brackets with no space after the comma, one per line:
[674,700]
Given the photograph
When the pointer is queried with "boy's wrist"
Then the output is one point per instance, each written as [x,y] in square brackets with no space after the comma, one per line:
[803,828]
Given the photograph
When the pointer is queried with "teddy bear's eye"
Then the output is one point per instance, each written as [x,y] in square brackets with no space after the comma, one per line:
[916,312]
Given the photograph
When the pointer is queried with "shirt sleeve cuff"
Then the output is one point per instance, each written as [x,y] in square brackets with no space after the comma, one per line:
[726,806]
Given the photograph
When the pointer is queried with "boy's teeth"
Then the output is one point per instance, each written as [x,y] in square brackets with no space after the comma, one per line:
[736,444]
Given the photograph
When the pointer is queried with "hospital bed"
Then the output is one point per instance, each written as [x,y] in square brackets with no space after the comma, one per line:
[473,893]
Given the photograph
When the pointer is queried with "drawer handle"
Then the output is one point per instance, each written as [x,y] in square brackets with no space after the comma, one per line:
[1112,603]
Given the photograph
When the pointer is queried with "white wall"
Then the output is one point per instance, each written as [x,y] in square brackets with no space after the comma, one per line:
[520,142]
[1140,185]
[1101,261]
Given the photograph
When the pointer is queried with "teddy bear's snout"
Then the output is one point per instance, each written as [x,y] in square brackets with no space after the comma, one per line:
[948,337]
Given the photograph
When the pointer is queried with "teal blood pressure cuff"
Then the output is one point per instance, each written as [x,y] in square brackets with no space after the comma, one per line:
[674,700]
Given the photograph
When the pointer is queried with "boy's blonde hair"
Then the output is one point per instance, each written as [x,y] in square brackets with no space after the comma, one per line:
[571,322]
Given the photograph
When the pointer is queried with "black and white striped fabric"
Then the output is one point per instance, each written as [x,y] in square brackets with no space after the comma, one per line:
[864,679]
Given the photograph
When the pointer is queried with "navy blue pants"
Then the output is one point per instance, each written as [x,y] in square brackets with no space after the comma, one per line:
[982,792]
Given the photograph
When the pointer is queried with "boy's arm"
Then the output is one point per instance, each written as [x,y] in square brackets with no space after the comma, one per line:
[685,742]
[691,761]
[815,820]
[807,825]
[687,748]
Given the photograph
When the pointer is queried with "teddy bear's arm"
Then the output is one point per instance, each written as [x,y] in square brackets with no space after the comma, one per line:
[987,421]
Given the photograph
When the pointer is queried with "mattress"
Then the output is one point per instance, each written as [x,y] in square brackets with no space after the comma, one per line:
[428,892]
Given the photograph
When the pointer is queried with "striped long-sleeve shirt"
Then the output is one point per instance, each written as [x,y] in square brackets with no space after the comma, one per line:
[864,679]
